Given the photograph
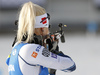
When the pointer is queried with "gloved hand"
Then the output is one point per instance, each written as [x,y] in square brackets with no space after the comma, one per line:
[57,36]
[52,41]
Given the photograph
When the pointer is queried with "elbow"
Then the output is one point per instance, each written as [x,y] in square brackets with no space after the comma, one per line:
[70,69]
[73,68]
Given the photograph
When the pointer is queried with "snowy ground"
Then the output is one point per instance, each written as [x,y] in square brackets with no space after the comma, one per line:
[83,48]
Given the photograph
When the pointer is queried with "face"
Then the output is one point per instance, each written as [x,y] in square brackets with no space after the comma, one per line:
[41,31]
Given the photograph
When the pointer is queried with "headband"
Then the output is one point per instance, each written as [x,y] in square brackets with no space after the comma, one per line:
[42,21]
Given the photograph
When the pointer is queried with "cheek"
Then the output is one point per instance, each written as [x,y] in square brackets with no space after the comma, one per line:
[46,32]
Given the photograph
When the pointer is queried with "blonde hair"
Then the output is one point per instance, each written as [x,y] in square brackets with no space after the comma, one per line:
[27,20]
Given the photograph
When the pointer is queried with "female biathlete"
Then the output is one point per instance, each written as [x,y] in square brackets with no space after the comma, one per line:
[30,54]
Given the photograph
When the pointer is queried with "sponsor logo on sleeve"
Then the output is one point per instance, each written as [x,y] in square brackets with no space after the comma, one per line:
[34,54]
[38,48]
[45,53]
[53,55]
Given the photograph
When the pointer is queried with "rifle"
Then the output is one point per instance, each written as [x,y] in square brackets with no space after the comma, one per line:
[60,31]
[62,38]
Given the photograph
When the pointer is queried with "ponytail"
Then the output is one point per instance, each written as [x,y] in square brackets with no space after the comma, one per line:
[26,22]
[26,25]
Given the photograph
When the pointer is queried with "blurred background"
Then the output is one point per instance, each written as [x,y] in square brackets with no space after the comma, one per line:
[82,33]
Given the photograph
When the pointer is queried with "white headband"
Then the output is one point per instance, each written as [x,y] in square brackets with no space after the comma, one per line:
[39,23]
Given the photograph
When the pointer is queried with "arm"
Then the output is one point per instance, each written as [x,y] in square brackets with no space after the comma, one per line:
[59,62]
[39,55]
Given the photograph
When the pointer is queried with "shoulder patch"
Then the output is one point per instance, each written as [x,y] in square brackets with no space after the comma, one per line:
[45,52]
[34,54]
